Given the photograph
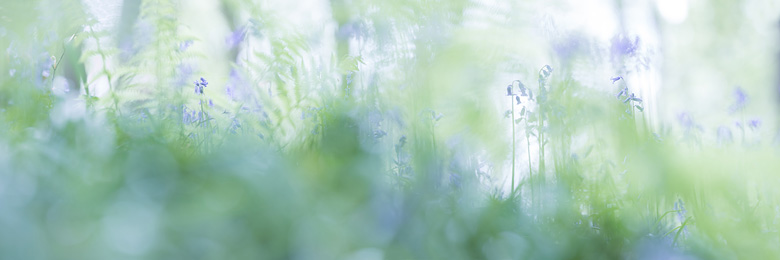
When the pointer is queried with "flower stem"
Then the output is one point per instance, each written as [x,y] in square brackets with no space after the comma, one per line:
[513,143]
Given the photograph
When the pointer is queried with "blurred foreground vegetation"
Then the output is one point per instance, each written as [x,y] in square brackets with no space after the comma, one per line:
[395,130]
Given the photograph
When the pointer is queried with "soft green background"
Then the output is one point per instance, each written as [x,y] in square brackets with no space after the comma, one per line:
[383,130]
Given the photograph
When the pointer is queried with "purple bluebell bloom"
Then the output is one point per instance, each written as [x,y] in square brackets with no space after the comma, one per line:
[568,46]
[45,67]
[630,97]
[517,98]
[183,46]
[199,85]
[236,87]
[624,46]
[236,37]
[740,100]
[545,72]
[622,92]
[685,120]
[755,123]
[615,79]
[379,133]
[509,90]
[183,73]
[724,135]
[349,30]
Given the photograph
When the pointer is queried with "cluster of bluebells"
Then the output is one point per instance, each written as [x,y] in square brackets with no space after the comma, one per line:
[630,97]
[199,85]
[624,46]
[544,75]
[687,122]
[191,116]
[679,207]
[524,92]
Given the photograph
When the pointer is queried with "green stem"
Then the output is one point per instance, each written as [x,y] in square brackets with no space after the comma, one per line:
[513,143]
[528,145]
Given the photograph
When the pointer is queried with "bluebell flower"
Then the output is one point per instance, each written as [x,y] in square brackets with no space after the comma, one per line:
[236,37]
[740,100]
[455,180]
[685,120]
[349,30]
[724,135]
[517,98]
[379,134]
[545,73]
[624,46]
[183,73]
[615,79]
[436,117]
[755,123]
[629,97]
[183,46]
[236,86]
[509,90]
[188,117]
[622,92]
[567,46]
[199,85]
[46,66]
[635,99]
[679,206]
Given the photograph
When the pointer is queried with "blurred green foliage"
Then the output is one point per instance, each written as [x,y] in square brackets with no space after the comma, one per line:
[387,136]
